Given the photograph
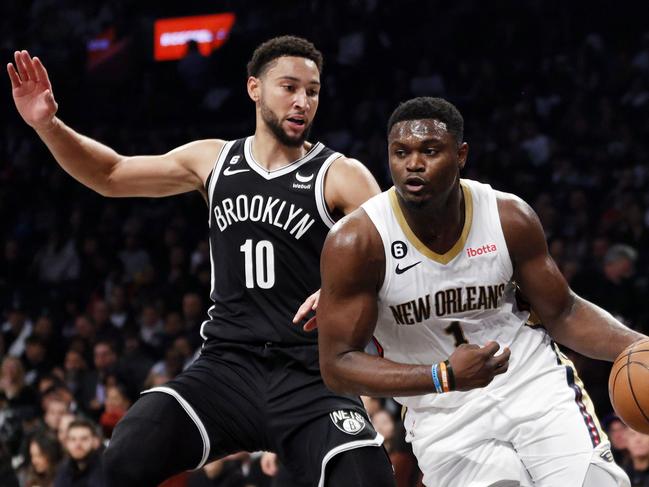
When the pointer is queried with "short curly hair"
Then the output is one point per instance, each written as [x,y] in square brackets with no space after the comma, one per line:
[425,107]
[282,46]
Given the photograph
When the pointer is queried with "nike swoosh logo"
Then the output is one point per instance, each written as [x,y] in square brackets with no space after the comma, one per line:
[229,171]
[401,270]
[303,179]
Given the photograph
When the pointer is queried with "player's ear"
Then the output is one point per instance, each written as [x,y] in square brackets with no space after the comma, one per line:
[462,153]
[254,88]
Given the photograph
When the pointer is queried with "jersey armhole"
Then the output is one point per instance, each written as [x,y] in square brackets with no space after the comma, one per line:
[213,176]
[320,200]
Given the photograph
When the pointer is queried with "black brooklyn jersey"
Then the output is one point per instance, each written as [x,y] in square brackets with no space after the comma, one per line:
[267,229]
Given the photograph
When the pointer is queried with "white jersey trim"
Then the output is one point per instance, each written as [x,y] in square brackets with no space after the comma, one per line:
[193,416]
[352,445]
[275,173]
[216,171]
[320,200]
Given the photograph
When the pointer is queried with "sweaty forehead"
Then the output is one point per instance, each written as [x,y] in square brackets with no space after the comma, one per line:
[428,128]
[292,66]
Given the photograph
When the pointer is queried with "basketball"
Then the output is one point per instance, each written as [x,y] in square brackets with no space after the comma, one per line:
[628,386]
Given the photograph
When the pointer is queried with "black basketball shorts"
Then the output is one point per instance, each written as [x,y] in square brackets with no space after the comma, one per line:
[269,397]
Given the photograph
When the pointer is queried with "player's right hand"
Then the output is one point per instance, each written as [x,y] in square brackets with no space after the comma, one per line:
[268,463]
[475,366]
[32,91]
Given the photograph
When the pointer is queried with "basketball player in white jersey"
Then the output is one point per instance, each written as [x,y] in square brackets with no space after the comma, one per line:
[434,264]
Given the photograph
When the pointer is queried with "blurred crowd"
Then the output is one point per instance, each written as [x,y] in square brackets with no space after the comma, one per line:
[102,298]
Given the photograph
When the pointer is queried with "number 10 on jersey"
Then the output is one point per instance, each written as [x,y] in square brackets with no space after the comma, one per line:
[259,264]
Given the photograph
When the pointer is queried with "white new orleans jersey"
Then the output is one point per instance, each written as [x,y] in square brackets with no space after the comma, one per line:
[431,303]
[534,424]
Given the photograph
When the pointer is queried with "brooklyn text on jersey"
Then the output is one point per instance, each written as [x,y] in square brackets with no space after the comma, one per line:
[272,211]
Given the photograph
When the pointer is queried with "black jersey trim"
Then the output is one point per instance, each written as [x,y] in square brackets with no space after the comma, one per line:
[320,200]
[214,175]
[275,173]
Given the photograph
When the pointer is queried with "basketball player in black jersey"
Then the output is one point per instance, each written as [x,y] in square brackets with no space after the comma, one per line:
[272,198]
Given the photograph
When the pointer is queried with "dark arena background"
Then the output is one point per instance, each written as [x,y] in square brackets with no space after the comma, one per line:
[101,298]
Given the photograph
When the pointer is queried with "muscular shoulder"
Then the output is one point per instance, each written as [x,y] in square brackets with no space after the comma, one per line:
[348,184]
[354,244]
[521,226]
[199,156]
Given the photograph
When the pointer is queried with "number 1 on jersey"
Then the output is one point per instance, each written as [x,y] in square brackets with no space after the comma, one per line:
[262,268]
[456,330]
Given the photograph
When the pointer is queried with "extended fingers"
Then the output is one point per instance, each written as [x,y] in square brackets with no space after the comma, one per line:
[41,72]
[29,65]
[21,65]
[13,76]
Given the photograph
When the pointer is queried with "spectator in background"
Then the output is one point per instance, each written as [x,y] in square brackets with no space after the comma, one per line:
[83,468]
[134,258]
[104,329]
[75,369]
[16,330]
[612,287]
[115,407]
[120,314]
[135,363]
[617,432]
[58,261]
[64,424]
[55,406]
[638,466]
[151,328]
[54,347]
[105,361]
[45,454]
[193,316]
[35,360]
[19,396]
[192,69]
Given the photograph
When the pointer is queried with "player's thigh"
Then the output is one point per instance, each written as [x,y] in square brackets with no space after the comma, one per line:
[456,447]
[360,467]
[221,392]
[307,447]
[155,439]
[486,464]
[558,447]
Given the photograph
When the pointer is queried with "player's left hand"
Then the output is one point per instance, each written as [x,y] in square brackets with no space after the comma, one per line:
[310,304]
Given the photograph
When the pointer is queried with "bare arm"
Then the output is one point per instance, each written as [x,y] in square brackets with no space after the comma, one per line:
[348,184]
[351,266]
[571,321]
[94,164]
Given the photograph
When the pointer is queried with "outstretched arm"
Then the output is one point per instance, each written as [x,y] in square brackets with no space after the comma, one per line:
[94,164]
[571,321]
[351,266]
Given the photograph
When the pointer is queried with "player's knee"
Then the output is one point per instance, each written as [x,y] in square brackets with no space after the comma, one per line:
[360,467]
